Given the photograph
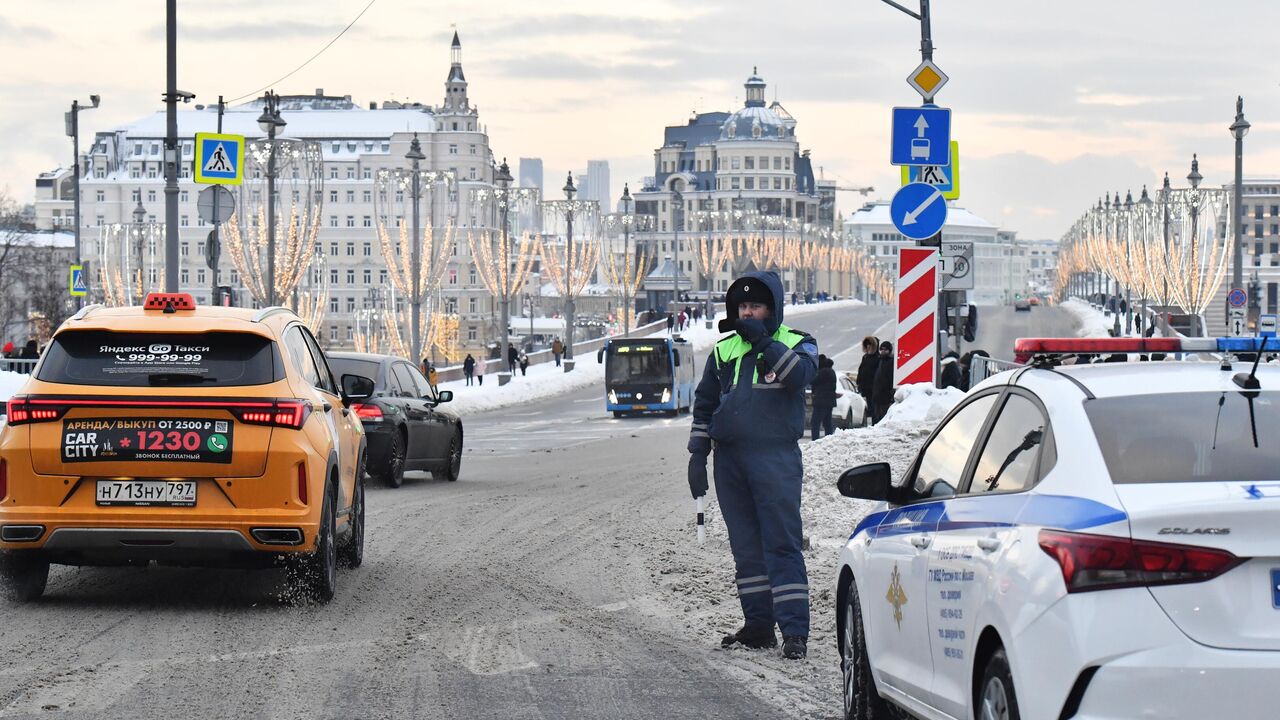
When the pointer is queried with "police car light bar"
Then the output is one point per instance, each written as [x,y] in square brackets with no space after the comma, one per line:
[1026,348]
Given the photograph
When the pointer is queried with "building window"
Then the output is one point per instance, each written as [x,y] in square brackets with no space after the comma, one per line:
[367,174]
[777,183]
[382,276]
[750,185]
[351,278]
[367,221]
[453,149]
[351,221]
[734,184]
[333,196]
[777,162]
[368,249]
[351,173]
[368,196]
[333,252]
[749,162]
[99,221]
[351,249]
[787,162]
[351,196]
[471,332]
[184,277]
[333,278]
[368,277]
[333,221]
[471,304]
[473,149]
[735,163]
[333,329]
[333,172]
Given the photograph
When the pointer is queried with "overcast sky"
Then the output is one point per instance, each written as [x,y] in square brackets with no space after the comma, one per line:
[1054,103]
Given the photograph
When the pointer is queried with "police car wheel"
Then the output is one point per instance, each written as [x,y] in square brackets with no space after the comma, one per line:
[997,700]
[22,576]
[861,699]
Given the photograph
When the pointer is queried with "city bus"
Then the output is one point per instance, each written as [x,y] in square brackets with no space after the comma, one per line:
[648,375]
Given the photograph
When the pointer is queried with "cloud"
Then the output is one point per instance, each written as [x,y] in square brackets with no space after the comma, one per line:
[12,32]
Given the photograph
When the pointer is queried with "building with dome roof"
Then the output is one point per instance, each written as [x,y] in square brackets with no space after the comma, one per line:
[727,171]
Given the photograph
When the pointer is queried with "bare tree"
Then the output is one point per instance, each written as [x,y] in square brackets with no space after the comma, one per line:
[13,240]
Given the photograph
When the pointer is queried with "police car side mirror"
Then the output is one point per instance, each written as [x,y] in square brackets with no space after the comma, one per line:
[866,482]
[356,387]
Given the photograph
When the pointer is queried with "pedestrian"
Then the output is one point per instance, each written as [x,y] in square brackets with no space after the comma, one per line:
[671,322]
[867,369]
[882,386]
[751,402]
[824,398]
[681,319]
[524,364]
[433,377]
[480,371]
[513,359]
[425,366]
[951,376]
[469,369]
[557,349]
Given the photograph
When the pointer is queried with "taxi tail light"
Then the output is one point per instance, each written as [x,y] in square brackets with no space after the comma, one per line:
[290,413]
[367,411]
[4,479]
[302,483]
[21,410]
[1101,562]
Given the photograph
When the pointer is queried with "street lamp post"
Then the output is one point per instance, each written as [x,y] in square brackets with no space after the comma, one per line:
[139,217]
[1194,177]
[1165,193]
[271,122]
[415,323]
[1239,129]
[628,216]
[677,215]
[569,192]
[1128,261]
[73,129]
[503,180]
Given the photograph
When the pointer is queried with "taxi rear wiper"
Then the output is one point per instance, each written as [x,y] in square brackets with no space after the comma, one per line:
[179,378]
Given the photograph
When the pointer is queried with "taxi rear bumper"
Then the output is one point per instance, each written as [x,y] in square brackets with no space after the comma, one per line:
[196,547]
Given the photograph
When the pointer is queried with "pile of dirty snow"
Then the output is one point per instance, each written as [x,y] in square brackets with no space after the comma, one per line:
[699,583]
[1093,323]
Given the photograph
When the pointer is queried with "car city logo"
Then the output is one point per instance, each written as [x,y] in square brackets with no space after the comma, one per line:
[160,349]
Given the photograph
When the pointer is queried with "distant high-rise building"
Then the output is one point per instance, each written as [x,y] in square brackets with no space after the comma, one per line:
[531,173]
[598,184]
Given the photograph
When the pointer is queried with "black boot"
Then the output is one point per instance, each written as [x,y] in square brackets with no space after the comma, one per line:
[756,638]
[794,647]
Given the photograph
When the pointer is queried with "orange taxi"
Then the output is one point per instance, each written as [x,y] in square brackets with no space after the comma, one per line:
[185,435]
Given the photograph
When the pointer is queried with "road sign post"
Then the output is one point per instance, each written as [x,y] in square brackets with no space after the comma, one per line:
[78,285]
[959,273]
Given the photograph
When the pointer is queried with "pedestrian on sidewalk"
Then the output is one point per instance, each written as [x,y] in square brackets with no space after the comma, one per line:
[513,358]
[951,376]
[671,322]
[480,371]
[882,386]
[524,364]
[557,349]
[824,398]
[751,402]
[867,370]
[469,369]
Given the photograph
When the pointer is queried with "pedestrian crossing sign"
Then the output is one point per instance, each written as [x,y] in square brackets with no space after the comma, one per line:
[79,288]
[219,159]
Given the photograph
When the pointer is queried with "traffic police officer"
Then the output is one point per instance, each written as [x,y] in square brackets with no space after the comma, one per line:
[750,401]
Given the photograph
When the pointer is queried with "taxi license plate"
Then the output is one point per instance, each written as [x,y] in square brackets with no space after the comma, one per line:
[144,493]
[146,440]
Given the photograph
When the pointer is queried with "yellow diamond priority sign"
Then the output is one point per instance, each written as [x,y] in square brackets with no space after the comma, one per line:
[927,79]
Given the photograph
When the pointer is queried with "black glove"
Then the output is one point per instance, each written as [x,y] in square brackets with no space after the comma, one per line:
[698,475]
[751,330]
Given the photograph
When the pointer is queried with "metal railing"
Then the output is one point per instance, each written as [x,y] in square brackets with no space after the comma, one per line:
[981,368]
[18,365]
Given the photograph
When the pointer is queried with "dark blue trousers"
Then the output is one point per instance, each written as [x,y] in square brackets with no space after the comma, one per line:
[821,421]
[758,489]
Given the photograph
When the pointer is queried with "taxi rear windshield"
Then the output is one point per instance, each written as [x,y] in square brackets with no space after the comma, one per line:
[212,359]
[1188,437]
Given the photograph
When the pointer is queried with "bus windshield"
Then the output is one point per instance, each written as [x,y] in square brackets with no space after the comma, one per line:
[648,363]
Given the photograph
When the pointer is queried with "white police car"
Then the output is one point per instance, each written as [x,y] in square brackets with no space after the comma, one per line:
[1098,541]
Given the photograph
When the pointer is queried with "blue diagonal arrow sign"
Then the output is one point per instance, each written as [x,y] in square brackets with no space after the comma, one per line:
[918,210]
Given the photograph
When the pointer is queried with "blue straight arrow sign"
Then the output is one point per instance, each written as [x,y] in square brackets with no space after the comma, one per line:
[921,136]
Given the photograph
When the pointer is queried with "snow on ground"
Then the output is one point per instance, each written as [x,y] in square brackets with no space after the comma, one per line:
[699,579]
[10,382]
[546,380]
[1093,323]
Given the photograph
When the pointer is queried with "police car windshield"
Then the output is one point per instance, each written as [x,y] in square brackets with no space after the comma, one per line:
[1186,437]
[212,359]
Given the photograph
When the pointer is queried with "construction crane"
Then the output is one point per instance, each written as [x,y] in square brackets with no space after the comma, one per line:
[864,190]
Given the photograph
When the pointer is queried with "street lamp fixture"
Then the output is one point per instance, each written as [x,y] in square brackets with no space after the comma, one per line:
[569,192]
[270,122]
[1239,129]
[415,156]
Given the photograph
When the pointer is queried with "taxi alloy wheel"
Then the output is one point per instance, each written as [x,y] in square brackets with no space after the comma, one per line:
[22,576]
[353,548]
[861,699]
[392,472]
[998,700]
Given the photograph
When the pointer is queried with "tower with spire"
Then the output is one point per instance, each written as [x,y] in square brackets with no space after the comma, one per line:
[455,86]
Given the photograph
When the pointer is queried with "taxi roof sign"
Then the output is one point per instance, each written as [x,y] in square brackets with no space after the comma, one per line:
[219,159]
[169,302]
[927,79]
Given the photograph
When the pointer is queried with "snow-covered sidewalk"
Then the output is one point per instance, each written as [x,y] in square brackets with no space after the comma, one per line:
[699,579]
[546,380]
[1093,322]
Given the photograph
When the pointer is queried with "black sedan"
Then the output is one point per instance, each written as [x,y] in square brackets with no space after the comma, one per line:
[405,426]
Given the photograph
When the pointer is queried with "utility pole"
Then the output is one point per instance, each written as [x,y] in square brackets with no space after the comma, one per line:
[171,148]
[214,249]
[73,129]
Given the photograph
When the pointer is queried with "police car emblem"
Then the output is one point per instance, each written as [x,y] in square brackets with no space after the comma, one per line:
[896,596]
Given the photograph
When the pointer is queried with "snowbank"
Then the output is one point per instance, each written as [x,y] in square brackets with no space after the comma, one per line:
[699,579]
[546,380]
[1093,323]
[10,382]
